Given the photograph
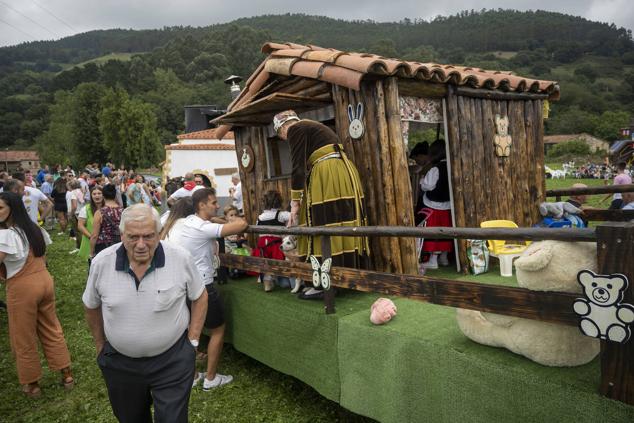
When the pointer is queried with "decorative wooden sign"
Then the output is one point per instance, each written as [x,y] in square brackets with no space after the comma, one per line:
[321,273]
[602,313]
[502,139]
[247,158]
[356,121]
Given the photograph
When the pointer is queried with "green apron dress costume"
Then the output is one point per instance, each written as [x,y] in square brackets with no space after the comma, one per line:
[329,188]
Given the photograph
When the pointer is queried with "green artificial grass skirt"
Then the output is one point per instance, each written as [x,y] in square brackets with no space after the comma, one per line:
[417,368]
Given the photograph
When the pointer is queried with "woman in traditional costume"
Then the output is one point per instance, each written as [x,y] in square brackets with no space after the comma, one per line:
[325,191]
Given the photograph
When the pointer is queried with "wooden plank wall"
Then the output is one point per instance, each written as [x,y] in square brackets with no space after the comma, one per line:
[380,157]
[487,187]
[255,183]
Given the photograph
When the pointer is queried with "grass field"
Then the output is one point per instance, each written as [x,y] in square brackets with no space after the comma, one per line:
[258,393]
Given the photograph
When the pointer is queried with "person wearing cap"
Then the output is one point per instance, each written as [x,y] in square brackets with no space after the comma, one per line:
[325,190]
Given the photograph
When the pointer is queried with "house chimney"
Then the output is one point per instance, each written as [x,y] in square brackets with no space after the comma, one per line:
[234,85]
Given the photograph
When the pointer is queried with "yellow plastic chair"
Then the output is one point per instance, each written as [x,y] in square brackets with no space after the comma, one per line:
[505,251]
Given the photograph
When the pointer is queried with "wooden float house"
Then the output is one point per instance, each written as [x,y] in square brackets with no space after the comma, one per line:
[495,174]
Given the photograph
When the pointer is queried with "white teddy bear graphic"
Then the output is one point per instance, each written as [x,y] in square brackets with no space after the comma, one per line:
[602,314]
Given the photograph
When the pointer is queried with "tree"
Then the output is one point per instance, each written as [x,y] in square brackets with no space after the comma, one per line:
[609,123]
[55,145]
[129,131]
[85,122]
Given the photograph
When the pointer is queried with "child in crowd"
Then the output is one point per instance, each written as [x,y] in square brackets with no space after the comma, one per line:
[268,246]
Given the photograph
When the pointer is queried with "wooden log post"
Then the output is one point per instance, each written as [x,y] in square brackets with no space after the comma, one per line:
[615,248]
[329,294]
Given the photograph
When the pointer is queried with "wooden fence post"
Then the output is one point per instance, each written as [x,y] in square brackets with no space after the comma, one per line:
[329,294]
[615,249]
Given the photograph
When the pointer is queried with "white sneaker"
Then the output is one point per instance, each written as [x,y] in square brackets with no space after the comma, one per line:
[443,260]
[432,263]
[60,233]
[219,380]
[199,376]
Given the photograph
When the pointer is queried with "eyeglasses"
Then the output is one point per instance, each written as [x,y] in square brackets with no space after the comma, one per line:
[198,182]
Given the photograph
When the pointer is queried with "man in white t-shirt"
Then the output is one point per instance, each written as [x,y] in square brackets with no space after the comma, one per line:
[199,236]
[36,203]
[186,190]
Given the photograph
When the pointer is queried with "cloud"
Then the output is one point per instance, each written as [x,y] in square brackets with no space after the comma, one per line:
[144,14]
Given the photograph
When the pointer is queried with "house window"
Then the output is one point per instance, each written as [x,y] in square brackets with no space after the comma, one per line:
[278,158]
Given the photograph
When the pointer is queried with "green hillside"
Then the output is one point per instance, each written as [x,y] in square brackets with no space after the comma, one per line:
[62,95]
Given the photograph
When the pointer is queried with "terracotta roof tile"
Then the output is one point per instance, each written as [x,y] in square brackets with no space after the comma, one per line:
[280,66]
[207,134]
[342,76]
[307,69]
[200,147]
[289,52]
[348,68]
[18,155]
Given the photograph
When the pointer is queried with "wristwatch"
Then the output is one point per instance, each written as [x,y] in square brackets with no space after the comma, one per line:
[194,342]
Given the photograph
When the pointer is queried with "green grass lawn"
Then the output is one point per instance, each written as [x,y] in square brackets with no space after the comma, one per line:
[258,393]
[593,200]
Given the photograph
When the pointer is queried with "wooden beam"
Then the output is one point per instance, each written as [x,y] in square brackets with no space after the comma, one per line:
[602,215]
[498,95]
[553,307]
[418,88]
[615,248]
[610,189]
[516,234]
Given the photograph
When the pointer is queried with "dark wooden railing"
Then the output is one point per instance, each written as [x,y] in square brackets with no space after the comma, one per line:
[598,215]
[615,247]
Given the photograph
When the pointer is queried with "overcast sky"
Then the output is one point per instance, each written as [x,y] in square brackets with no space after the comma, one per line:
[28,20]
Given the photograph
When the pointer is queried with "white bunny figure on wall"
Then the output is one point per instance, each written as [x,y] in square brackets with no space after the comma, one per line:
[356,128]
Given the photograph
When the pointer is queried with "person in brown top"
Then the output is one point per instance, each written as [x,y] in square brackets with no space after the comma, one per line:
[325,190]
[30,297]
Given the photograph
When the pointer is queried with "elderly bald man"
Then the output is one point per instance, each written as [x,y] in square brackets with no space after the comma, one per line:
[144,333]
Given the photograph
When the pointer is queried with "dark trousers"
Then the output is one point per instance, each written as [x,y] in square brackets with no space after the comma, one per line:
[135,383]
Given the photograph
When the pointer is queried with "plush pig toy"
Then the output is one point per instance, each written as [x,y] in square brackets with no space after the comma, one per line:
[382,311]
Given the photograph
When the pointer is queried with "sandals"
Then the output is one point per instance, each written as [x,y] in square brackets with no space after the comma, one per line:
[32,390]
[68,382]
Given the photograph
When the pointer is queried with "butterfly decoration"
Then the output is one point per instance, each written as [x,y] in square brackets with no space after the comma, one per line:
[321,273]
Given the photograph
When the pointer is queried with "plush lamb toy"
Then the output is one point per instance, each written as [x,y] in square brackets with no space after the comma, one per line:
[544,266]
[558,210]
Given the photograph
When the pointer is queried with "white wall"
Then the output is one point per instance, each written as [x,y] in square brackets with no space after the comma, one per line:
[183,161]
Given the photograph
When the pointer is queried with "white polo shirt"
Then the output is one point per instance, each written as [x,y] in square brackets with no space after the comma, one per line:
[199,236]
[144,320]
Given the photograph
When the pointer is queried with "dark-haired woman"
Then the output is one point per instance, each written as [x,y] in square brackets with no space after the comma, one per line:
[85,219]
[59,202]
[30,297]
[105,224]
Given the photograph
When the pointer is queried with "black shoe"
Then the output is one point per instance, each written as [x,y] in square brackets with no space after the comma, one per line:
[316,296]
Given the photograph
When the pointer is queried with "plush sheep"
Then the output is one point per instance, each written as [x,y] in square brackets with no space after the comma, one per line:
[558,210]
[544,266]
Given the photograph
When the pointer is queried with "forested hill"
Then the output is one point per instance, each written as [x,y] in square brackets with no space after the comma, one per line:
[52,95]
